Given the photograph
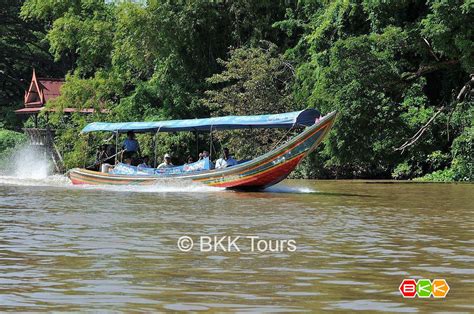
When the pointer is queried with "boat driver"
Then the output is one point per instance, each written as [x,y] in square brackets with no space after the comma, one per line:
[131,146]
[226,161]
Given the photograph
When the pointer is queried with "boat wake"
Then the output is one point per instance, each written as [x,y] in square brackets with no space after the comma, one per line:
[62,181]
[29,167]
[52,180]
[162,186]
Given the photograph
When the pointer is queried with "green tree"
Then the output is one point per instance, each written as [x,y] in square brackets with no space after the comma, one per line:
[449,28]
[21,49]
[387,67]
[254,81]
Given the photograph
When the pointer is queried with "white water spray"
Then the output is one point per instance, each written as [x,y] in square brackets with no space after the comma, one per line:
[30,166]
[30,162]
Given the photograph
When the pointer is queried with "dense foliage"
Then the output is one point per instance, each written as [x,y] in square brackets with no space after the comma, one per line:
[387,67]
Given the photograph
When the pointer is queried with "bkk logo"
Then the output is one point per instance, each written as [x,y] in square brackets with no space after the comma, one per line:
[424,288]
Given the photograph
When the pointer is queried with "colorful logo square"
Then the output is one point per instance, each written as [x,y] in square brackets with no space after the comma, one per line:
[423,288]
[440,288]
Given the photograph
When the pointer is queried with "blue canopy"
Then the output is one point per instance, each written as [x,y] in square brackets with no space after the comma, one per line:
[305,117]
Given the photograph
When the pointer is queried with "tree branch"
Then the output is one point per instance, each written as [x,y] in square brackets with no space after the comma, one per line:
[430,49]
[425,69]
[465,93]
[466,90]
[412,140]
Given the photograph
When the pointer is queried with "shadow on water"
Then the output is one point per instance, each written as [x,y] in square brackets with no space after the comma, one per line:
[341,194]
[284,190]
[272,193]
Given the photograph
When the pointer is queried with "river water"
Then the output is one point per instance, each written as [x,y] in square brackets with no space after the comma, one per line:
[65,248]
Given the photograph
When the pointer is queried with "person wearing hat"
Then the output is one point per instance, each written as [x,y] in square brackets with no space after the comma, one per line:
[166,162]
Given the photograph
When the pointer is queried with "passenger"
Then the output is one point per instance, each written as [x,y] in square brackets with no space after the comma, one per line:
[200,156]
[226,161]
[166,162]
[101,154]
[131,146]
[145,162]
[190,160]
[205,154]
[110,152]
[128,161]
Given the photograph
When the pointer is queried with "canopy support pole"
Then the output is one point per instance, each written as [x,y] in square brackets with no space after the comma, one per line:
[210,145]
[154,147]
[197,144]
[155,137]
[88,145]
[116,145]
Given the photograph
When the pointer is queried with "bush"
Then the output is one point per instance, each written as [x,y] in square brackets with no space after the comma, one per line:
[462,163]
[463,152]
[402,171]
[446,175]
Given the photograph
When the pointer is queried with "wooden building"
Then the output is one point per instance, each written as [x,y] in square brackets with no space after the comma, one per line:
[38,94]
[40,91]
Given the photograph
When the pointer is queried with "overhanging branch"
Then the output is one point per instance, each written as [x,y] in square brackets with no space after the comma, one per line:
[412,140]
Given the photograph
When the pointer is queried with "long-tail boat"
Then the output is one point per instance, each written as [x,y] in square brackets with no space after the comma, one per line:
[256,174]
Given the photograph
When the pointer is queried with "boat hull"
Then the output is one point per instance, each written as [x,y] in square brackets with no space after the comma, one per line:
[256,174]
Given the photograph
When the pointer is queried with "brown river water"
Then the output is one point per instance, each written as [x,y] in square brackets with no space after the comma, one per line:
[65,248]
